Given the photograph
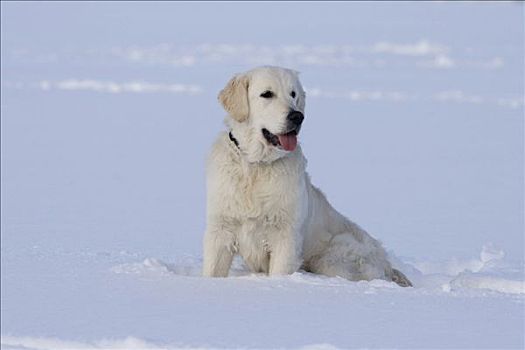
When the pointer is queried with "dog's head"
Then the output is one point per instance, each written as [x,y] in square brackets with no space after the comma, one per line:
[266,110]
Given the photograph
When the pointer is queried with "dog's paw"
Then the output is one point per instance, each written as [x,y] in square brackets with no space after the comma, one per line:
[400,278]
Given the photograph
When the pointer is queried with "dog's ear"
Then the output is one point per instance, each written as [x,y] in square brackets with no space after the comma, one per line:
[234,97]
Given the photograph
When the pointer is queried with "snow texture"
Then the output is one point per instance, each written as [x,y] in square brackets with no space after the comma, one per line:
[109,109]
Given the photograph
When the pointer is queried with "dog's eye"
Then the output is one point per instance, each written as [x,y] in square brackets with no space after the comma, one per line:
[292,94]
[267,94]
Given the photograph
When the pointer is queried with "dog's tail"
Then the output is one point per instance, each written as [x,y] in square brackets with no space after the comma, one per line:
[400,278]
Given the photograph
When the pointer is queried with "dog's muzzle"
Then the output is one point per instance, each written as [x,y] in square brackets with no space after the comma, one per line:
[288,139]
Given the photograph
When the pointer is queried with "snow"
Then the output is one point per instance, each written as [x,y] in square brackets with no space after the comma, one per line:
[100,298]
[115,88]
[420,48]
[109,109]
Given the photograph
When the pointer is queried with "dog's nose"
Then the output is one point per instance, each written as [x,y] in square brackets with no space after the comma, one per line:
[295,117]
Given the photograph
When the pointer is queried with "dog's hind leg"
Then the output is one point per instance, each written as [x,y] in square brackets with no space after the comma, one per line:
[353,259]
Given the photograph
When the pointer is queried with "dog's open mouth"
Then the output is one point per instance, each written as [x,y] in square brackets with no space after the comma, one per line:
[287,141]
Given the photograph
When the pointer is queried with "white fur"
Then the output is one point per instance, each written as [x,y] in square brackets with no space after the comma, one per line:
[261,203]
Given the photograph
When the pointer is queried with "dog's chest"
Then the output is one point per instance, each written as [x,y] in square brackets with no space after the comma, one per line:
[264,193]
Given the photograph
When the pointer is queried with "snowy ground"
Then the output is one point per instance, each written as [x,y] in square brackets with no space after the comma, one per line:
[108,110]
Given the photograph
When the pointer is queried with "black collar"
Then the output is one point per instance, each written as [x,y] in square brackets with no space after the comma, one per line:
[233,139]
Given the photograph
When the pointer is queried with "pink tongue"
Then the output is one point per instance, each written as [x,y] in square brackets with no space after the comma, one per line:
[289,142]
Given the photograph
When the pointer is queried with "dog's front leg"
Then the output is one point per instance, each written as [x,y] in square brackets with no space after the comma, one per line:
[285,256]
[219,249]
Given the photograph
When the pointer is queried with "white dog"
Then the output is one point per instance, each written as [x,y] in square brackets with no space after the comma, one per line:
[261,203]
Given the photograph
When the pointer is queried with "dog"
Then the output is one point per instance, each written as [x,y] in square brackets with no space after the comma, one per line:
[261,203]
